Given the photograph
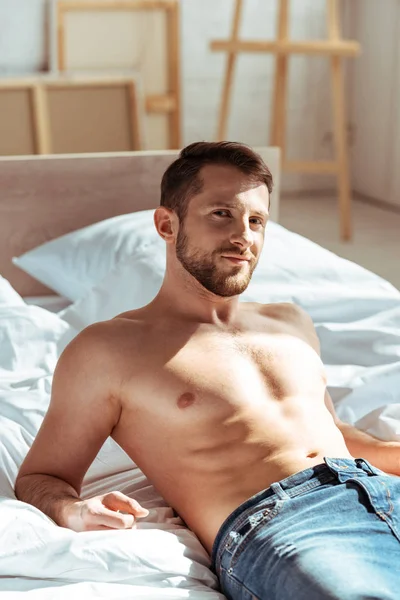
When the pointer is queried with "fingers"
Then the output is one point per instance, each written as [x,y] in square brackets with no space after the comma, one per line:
[96,516]
[102,528]
[118,501]
[117,520]
[111,511]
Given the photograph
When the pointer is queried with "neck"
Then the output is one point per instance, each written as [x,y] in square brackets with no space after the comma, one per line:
[182,295]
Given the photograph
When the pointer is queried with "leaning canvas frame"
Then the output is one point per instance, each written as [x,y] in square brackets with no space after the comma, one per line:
[118,36]
[20,107]
[40,119]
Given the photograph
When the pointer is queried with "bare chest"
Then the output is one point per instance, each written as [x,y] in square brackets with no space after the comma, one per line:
[220,375]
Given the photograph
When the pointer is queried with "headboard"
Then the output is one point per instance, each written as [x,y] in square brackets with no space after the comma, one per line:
[43,197]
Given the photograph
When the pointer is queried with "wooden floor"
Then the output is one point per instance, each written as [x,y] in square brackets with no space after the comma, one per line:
[376,239]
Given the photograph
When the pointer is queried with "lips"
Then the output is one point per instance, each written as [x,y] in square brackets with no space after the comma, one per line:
[236,259]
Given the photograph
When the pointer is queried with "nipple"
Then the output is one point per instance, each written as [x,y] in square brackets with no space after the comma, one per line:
[186,400]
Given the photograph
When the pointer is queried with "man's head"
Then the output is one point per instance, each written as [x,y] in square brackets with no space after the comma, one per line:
[214,208]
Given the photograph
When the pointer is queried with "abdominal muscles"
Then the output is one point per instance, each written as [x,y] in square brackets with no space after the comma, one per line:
[218,426]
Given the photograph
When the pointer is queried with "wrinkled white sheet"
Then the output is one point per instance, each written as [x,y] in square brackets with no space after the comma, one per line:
[53,303]
[162,558]
[359,328]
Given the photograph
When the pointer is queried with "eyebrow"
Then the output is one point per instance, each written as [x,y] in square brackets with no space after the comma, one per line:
[225,204]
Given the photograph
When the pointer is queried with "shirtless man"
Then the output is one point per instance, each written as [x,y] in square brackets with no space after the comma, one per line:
[223,405]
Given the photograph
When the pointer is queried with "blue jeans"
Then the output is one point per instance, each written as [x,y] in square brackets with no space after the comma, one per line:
[330,531]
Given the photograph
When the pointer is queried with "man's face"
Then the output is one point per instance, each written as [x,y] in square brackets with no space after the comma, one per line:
[221,238]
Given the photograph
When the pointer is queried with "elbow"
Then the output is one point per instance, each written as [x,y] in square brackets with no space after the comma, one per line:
[19,486]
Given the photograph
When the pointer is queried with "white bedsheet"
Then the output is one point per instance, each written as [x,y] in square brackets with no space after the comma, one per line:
[54,303]
[359,329]
[162,558]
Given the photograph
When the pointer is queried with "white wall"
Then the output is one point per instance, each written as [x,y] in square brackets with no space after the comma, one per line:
[23,48]
[375,99]
[394,191]
[309,119]
[22,36]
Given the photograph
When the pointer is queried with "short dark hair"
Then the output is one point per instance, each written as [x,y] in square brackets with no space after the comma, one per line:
[181,180]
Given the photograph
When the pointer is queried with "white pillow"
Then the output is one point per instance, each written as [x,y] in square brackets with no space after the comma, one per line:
[130,285]
[8,296]
[291,268]
[73,263]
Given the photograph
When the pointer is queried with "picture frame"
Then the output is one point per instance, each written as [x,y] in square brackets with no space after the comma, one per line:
[70,114]
[20,105]
[125,35]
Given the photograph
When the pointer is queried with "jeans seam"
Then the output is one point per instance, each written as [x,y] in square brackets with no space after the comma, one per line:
[383,515]
[273,502]
[389,498]
[239,584]
[240,521]
[240,548]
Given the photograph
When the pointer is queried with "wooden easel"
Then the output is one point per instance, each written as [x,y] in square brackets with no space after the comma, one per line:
[335,48]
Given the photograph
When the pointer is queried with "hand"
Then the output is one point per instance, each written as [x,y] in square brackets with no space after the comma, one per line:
[109,511]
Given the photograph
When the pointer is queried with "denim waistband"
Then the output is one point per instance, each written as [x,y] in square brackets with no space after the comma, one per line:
[293,485]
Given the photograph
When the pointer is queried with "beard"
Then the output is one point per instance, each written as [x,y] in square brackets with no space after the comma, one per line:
[204,269]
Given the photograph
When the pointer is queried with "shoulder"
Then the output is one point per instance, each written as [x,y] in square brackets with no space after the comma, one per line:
[88,350]
[106,334]
[295,317]
[97,336]
[98,361]
[285,310]
[100,346]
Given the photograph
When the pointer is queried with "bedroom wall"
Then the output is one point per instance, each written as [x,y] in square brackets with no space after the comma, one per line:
[375,100]
[23,48]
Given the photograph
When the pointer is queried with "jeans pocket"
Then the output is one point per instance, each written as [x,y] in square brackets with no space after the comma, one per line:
[253,521]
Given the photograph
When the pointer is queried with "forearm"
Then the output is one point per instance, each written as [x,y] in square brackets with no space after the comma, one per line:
[381,454]
[49,494]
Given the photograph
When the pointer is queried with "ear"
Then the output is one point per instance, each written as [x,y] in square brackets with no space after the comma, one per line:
[167,224]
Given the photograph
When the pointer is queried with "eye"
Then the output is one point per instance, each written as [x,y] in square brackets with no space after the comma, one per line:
[221,213]
[256,221]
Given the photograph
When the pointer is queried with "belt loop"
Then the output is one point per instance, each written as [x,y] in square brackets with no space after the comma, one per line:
[279,491]
[337,469]
[333,466]
[345,468]
[367,467]
[362,464]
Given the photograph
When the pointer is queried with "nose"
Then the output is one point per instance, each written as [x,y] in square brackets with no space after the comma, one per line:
[242,235]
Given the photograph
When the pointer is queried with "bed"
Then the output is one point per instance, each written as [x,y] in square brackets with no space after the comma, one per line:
[77,245]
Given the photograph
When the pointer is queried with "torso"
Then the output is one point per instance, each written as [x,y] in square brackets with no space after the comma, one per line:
[214,416]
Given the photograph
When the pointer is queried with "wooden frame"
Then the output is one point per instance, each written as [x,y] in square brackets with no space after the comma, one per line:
[168,103]
[40,90]
[20,135]
[334,48]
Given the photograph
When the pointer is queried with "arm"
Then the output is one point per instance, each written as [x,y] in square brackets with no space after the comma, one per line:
[382,454]
[83,411]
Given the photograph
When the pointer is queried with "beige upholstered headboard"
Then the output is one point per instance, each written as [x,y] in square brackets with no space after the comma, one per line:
[43,197]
